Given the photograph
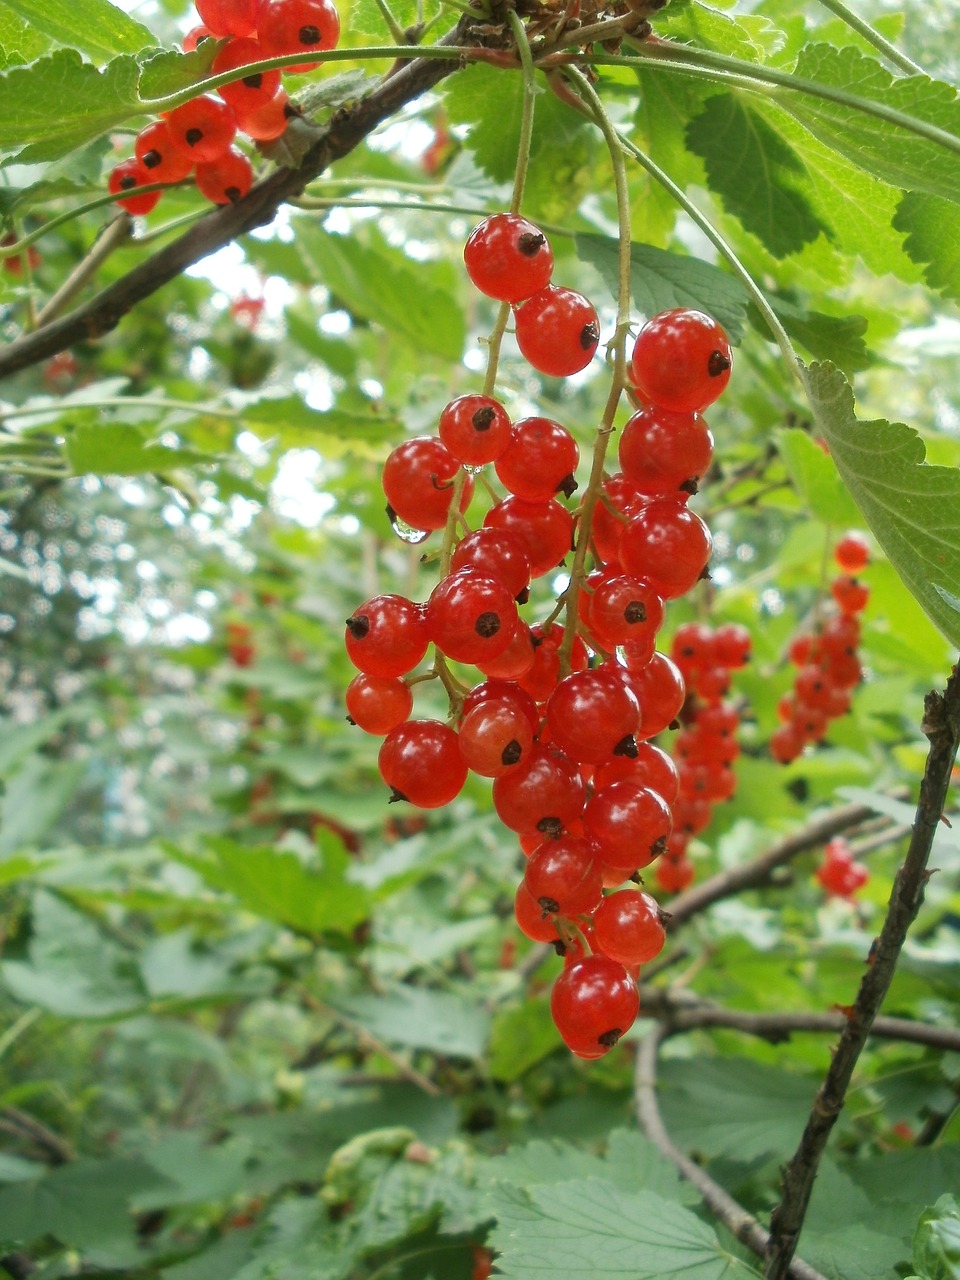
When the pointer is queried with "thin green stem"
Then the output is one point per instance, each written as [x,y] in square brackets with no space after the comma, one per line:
[493,348]
[872,36]
[12,1034]
[616,347]
[78,211]
[165,228]
[126,402]
[719,67]
[393,26]
[526,117]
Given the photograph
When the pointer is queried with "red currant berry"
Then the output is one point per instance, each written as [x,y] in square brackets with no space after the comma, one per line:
[471,618]
[475,428]
[593,1003]
[495,736]
[630,824]
[226,179]
[732,645]
[297,26]
[786,743]
[681,361]
[418,480]
[495,553]
[592,715]
[852,552]
[651,767]
[546,796]
[515,660]
[660,690]
[251,91]
[503,691]
[558,331]
[850,594]
[127,175]
[623,609]
[545,528]
[267,120]
[378,704]
[386,636]
[158,157]
[542,677]
[229,17]
[202,129]
[665,453]
[508,258]
[531,918]
[629,927]
[667,545]
[675,874]
[539,461]
[420,761]
[564,876]
[195,37]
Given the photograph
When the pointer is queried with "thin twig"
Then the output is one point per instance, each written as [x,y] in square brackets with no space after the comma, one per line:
[112,236]
[741,1224]
[30,1129]
[941,726]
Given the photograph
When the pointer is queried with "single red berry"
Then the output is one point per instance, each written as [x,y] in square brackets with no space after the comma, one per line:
[249,92]
[475,428]
[850,594]
[693,647]
[418,481]
[593,715]
[471,618]
[630,824]
[127,175]
[650,767]
[226,179]
[622,609]
[377,704]
[675,874]
[267,120]
[420,761]
[660,690]
[495,553]
[668,545]
[503,691]
[732,645]
[202,129]
[593,1003]
[545,528]
[681,361]
[195,37]
[508,258]
[665,453]
[852,552]
[786,744]
[229,17]
[495,736]
[539,461]
[545,796]
[158,157]
[619,499]
[558,331]
[386,636]
[629,927]
[531,918]
[564,876]
[542,677]
[297,26]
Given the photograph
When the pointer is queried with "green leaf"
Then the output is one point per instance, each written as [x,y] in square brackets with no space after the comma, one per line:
[171,70]
[521,1037]
[421,1019]
[815,476]
[96,27]
[278,886]
[377,282]
[891,152]
[912,507]
[333,432]
[756,172]
[835,338]
[20,41]
[119,449]
[590,1230]
[72,969]
[932,228]
[60,102]
[34,798]
[936,1245]
[660,280]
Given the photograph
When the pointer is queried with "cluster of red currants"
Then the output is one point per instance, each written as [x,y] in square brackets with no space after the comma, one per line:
[839,873]
[562,720]
[197,138]
[707,746]
[828,666]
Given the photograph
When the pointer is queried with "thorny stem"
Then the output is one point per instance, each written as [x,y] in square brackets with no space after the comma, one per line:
[941,726]
[593,107]
[873,36]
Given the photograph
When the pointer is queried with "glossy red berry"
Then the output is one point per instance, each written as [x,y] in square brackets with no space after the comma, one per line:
[508,258]
[251,91]
[675,874]
[593,1003]
[418,481]
[681,361]
[668,545]
[546,795]
[852,552]
[475,428]
[386,636]
[202,129]
[495,736]
[267,120]
[127,175]
[495,553]
[660,690]
[471,618]
[420,761]
[377,704]
[629,927]
[226,179]
[195,37]
[540,460]
[564,876]
[531,918]
[229,17]
[630,824]
[298,26]
[623,609]
[593,715]
[558,331]
[545,528]
[159,158]
[850,594]
[665,453]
